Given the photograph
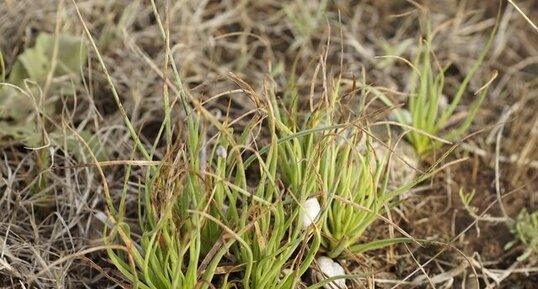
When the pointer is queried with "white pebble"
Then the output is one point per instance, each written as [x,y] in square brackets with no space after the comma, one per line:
[311,209]
[406,116]
[329,269]
[221,152]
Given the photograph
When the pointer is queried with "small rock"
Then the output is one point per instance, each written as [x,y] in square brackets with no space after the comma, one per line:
[328,269]
[311,209]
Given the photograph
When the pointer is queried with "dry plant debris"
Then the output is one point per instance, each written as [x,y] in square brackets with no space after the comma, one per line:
[72,172]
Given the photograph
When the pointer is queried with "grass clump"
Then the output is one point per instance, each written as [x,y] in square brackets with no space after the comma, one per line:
[170,246]
[198,212]
[426,111]
[334,160]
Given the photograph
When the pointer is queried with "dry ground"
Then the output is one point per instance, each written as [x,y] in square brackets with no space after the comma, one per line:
[44,233]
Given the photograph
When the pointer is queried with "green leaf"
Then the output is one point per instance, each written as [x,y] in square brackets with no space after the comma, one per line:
[358,249]
[34,65]
[23,132]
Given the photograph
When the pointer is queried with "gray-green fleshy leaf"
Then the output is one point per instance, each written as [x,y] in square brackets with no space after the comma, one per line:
[29,72]
[35,63]
[23,131]
[75,147]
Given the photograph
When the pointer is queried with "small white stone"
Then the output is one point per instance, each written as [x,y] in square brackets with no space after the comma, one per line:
[329,269]
[406,116]
[443,103]
[311,209]
[221,152]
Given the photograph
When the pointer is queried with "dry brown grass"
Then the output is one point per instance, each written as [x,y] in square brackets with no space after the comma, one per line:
[209,39]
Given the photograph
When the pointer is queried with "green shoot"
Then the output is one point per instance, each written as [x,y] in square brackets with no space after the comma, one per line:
[466,199]
[526,230]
